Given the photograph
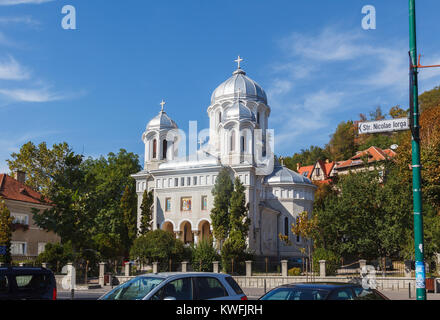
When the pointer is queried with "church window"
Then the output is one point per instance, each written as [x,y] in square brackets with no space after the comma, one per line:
[204,203]
[219,118]
[258,117]
[154,149]
[194,181]
[286,226]
[176,182]
[182,182]
[243,145]
[188,181]
[232,142]
[168,204]
[185,204]
[164,149]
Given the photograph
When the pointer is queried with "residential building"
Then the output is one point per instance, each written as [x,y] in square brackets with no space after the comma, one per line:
[28,240]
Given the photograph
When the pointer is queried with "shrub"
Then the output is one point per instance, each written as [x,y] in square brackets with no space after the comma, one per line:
[157,246]
[204,255]
[332,260]
[56,255]
[294,272]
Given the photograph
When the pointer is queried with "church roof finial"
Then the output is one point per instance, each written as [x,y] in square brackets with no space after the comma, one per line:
[239,60]
[162,105]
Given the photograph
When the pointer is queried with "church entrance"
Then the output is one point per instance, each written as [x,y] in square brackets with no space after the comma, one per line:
[187,235]
[205,230]
[168,227]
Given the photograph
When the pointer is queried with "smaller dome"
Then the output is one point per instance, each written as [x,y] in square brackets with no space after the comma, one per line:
[282,174]
[161,121]
[238,111]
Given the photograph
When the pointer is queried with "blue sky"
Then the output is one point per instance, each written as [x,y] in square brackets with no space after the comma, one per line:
[97,87]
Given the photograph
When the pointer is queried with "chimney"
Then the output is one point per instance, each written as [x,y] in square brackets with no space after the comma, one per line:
[298,165]
[20,176]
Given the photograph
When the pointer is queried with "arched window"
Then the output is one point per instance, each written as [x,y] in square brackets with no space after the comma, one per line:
[219,118]
[154,149]
[164,149]
[232,148]
[242,144]
[286,226]
[258,117]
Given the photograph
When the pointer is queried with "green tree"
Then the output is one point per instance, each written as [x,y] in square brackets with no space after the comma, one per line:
[57,255]
[147,212]
[397,112]
[40,164]
[234,249]
[306,157]
[73,207]
[377,114]
[430,99]
[129,211]
[109,246]
[342,143]
[157,246]
[204,255]
[5,231]
[239,219]
[107,178]
[220,215]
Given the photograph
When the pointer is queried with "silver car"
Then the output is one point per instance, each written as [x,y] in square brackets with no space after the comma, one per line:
[178,286]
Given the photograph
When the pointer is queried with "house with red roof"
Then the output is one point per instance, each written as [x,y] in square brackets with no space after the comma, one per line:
[325,171]
[321,171]
[366,159]
[28,240]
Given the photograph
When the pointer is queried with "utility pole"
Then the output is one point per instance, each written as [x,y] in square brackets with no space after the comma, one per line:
[416,168]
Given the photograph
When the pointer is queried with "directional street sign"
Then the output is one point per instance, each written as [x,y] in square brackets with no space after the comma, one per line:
[384,126]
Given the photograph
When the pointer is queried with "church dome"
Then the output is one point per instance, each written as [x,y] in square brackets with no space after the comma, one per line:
[161,121]
[238,111]
[239,82]
[281,174]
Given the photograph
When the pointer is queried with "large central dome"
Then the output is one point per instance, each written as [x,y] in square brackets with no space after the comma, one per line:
[239,82]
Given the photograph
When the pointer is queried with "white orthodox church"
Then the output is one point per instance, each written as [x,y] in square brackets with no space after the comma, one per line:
[182,184]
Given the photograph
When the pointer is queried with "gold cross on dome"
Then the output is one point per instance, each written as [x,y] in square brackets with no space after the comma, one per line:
[239,59]
[162,104]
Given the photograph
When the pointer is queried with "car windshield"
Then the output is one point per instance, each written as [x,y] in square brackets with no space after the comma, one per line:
[135,289]
[296,294]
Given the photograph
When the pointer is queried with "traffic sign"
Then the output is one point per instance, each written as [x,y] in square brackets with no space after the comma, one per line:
[384,126]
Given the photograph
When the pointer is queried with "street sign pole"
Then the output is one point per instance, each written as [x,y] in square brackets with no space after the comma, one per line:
[416,168]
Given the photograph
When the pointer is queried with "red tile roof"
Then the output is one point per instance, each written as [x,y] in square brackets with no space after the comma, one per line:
[373,154]
[11,189]
[306,171]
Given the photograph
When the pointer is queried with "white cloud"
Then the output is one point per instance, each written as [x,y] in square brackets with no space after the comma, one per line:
[31,95]
[16,2]
[19,20]
[10,69]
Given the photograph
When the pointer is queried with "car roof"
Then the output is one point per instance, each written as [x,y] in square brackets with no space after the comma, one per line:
[21,270]
[186,274]
[320,285]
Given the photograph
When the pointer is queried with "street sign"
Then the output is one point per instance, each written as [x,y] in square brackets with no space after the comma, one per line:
[3,250]
[384,126]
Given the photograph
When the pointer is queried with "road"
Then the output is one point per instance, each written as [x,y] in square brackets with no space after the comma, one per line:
[252,293]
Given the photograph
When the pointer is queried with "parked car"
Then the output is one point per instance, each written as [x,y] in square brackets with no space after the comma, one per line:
[323,291]
[178,286]
[23,283]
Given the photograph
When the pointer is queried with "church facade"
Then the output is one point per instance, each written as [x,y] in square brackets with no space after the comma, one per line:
[239,140]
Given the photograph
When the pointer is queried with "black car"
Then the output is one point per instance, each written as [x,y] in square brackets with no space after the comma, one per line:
[22,283]
[323,291]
